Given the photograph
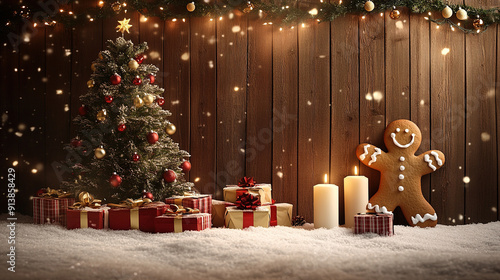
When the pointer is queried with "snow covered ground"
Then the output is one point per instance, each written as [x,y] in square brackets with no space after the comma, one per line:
[444,252]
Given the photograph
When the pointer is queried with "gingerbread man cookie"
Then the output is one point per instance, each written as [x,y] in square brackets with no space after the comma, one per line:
[401,172]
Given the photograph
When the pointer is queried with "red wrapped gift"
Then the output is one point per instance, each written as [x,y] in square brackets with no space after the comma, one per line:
[201,202]
[374,223]
[87,217]
[51,210]
[180,223]
[218,212]
[141,218]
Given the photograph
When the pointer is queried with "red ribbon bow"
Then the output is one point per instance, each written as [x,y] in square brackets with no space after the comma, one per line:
[247,201]
[246,182]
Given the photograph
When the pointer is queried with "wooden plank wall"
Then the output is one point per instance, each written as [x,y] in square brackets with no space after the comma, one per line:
[285,105]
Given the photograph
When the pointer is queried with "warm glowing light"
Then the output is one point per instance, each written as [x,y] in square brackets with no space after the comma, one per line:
[124,4]
[197,179]
[174,19]
[281,29]
[34,24]
[15,163]
[303,25]
[340,1]
[91,19]
[70,12]
[381,14]
[445,51]
[211,19]
[355,170]
[426,18]
[437,26]
[236,88]
[326,178]
[313,12]
[100,4]
[220,18]
[430,14]
[34,171]
[292,27]
[161,8]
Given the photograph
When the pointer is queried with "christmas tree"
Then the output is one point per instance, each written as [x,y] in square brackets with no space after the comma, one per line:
[123,145]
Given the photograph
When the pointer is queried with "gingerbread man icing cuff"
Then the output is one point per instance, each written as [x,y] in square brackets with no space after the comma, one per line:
[401,173]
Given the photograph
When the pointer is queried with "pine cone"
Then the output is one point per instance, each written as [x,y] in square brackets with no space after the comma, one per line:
[298,221]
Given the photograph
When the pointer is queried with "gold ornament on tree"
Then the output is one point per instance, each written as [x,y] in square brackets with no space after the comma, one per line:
[101,57]
[138,103]
[462,14]
[99,152]
[92,67]
[369,6]
[149,99]
[170,128]
[395,13]
[133,64]
[101,115]
[478,23]
[191,7]
[90,83]
[447,12]
[249,7]
[117,6]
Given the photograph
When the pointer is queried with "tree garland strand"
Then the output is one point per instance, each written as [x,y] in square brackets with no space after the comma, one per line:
[286,12]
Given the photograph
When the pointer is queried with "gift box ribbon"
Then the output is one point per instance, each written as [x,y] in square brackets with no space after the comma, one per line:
[53,193]
[177,211]
[86,200]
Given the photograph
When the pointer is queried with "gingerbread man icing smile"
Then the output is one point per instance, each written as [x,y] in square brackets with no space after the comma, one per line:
[401,173]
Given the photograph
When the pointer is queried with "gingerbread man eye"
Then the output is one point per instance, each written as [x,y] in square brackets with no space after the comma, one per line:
[407,130]
[397,129]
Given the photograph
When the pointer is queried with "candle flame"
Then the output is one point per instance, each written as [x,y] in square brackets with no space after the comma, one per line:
[355,170]
[326,178]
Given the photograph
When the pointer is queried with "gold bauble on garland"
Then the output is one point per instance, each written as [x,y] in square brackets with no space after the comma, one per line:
[148,99]
[117,6]
[99,152]
[170,128]
[369,6]
[191,7]
[395,13]
[447,12]
[249,7]
[462,14]
[478,24]
[138,103]
[101,115]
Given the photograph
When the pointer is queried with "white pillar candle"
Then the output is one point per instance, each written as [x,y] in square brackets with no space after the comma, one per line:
[326,205]
[355,197]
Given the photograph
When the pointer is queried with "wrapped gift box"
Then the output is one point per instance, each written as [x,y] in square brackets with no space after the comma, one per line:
[87,217]
[374,223]
[231,193]
[201,202]
[51,210]
[180,223]
[280,214]
[218,212]
[141,218]
[240,219]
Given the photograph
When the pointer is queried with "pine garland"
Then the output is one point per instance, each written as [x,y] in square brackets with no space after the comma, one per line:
[287,12]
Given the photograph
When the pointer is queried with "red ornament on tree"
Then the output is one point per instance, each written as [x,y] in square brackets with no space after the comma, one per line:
[151,78]
[122,127]
[139,58]
[136,157]
[137,81]
[146,194]
[75,142]
[169,176]
[186,166]
[160,101]
[152,137]
[115,79]
[115,180]
[108,98]
[82,110]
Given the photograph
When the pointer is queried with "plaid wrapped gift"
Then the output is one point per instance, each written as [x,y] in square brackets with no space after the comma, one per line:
[218,212]
[374,223]
[141,218]
[281,214]
[240,219]
[231,192]
[201,202]
[96,218]
[180,223]
[51,210]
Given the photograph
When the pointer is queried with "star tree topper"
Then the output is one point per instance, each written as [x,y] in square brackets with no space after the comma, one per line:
[123,26]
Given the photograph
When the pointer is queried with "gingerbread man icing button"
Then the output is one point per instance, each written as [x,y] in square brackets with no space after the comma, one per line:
[401,172]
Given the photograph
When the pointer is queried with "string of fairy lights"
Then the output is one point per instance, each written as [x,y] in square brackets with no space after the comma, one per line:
[468,19]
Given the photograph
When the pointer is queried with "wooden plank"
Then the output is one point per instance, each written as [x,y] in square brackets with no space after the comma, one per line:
[285,115]
[420,86]
[481,140]
[314,111]
[372,87]
[498,121]
[203,106]
[31,172]
[231,98]
[57,117]
[345,102]
[151,31]
[176,77]
[447,122]
[259,102]
[397,72]
[9,99]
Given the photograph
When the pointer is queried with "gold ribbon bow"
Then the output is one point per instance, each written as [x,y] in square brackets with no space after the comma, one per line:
[178,211]
[53,193]
[86,200]
[131,203]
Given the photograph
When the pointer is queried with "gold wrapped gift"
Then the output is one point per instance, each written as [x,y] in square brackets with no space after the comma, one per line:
[232,192]
[240,219]
[280,214]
